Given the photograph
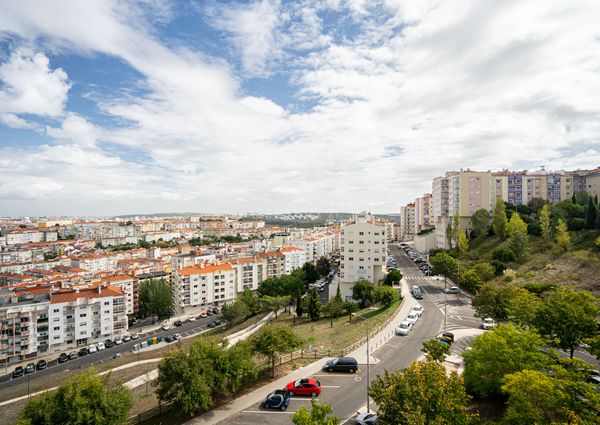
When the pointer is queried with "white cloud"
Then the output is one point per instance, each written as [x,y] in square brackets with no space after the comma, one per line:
[440,84]
[31,87]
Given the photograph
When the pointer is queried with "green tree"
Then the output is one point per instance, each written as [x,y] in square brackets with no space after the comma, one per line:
[563,238]
[386,295]
[350,307]
[319,414]
[394,276]
[363,291]
[545,223]
[485,271]
[323,266]
[500,222]
[295,287]
[271,340]
[568,316]
[334,308]
[480,223]
[516,225]
[276,303]
[495,354]
[312,274]
[504,254]
[435,350]
[469,280]
[273,286]
[251,300]
[156,298]
[84,399]
[463,243]
[536,397]
[421,393]
[444,265]
[505,302]
[455,230]
[235,312]
[517,243]
[313,307]
[240,366]
[590,214]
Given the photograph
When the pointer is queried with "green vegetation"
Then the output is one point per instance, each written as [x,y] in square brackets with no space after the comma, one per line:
[435,349]
[319,414]
[386,295]
[313,305]
[156,298]
[421,393]
[394,276]
[270,341]
[84,399]
[363,291]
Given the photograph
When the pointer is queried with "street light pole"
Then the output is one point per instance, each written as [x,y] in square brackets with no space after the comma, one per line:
[368,360]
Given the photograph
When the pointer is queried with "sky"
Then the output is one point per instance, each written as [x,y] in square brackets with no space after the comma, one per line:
[141,106]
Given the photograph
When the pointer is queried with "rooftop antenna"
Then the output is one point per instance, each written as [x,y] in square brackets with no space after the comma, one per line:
[543,167]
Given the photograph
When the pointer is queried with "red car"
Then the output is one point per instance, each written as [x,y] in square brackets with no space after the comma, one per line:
[307,386]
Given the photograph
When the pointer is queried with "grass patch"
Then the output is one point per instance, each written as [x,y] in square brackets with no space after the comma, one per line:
[343,333]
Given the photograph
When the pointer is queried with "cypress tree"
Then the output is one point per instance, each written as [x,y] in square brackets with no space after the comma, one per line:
[596,200]
[573,199]
[590,215]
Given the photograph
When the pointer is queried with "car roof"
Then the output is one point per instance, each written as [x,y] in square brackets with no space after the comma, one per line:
[279,392]
[405,322]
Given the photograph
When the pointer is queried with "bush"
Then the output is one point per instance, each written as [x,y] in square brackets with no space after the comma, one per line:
[504,254]
[470,281]
[576,224]
[534,229]
[499,267]
[539,288]
[484,270]
[386,295]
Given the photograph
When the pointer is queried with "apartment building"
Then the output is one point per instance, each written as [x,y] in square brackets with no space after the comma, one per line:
[407,222]
[19,237]
[204,285]
[317,245]
[273,264]
[246,271]
[423,213]
[128,285]
[95,262]
[363,245]
[294,258]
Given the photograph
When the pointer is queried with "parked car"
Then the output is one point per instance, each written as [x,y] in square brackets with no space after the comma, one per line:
[30,368]
[92,349]
[108,343]
[134,336]
[178,323]
[169,339]
[215,310]
[18,372]
[278,399]
[135,347]
[306,386]
[63,357]
[154,319]
[418,309]
[118,340]
[83,352]
[404,328]
[412,317]
[41,364]
[176,337]
[144,344]
[203,313]
[452,290]
[127,338]
[217,322]
[417,294]
[488,323]
[101,346]
[366,419]
[191,318]
[117,355]
[212,325]
[73,355]
[341,364]
[165,326]
[209,312]
[448,335]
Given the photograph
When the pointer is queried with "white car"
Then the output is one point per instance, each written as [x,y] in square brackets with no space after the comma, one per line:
[191,318]
[92,349]
[488,323]
[118,340]
[366,419]
[412,317]
[452,290]
[101,346]
[134,336]
[165,326]
[404,328]
[418,309]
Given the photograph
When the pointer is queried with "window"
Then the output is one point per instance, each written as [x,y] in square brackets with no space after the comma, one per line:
[57,328]
[361,233]
[56,310]
[83,315]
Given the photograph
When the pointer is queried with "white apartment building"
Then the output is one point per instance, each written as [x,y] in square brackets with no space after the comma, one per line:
[127,284]
[247,272]
[203,286]
[18,237]
[294,258]
[79,316]
[363,246]
[407,222]
[317,245]
[423,213]
[95,262]
[164,235]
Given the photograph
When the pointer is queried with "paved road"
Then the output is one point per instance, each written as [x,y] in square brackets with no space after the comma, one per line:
[186,329]
[345,392]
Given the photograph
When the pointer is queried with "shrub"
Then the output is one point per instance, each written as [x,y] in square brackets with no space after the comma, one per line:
[484,270]
[576,224]
[504,254]
[499,267]
[534,229]
[539,287]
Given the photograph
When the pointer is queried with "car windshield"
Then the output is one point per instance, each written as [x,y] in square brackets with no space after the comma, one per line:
[335,361]
[411,316]
[403,325]
[298,383]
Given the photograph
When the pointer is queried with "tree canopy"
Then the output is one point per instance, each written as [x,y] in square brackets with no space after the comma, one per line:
[444,265]
[156,298]
[480,223]
[319,414]
[363,291]
[271,340]
[500,222]
[386,295]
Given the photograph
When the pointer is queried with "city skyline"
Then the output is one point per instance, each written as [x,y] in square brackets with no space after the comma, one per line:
[111,109]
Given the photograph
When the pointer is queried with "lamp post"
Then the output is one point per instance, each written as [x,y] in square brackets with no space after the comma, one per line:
[368,359]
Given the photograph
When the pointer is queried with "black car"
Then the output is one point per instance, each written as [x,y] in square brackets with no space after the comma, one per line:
[30,368]
[41,364]
[109,343]
[209,312]
[169,338]
[215,310]
[73,355]
[448,335]
[341,364]
[178,323]
[17,372]
[278,399]
[83,352]
[212,325]
[63,357]
[217,322]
